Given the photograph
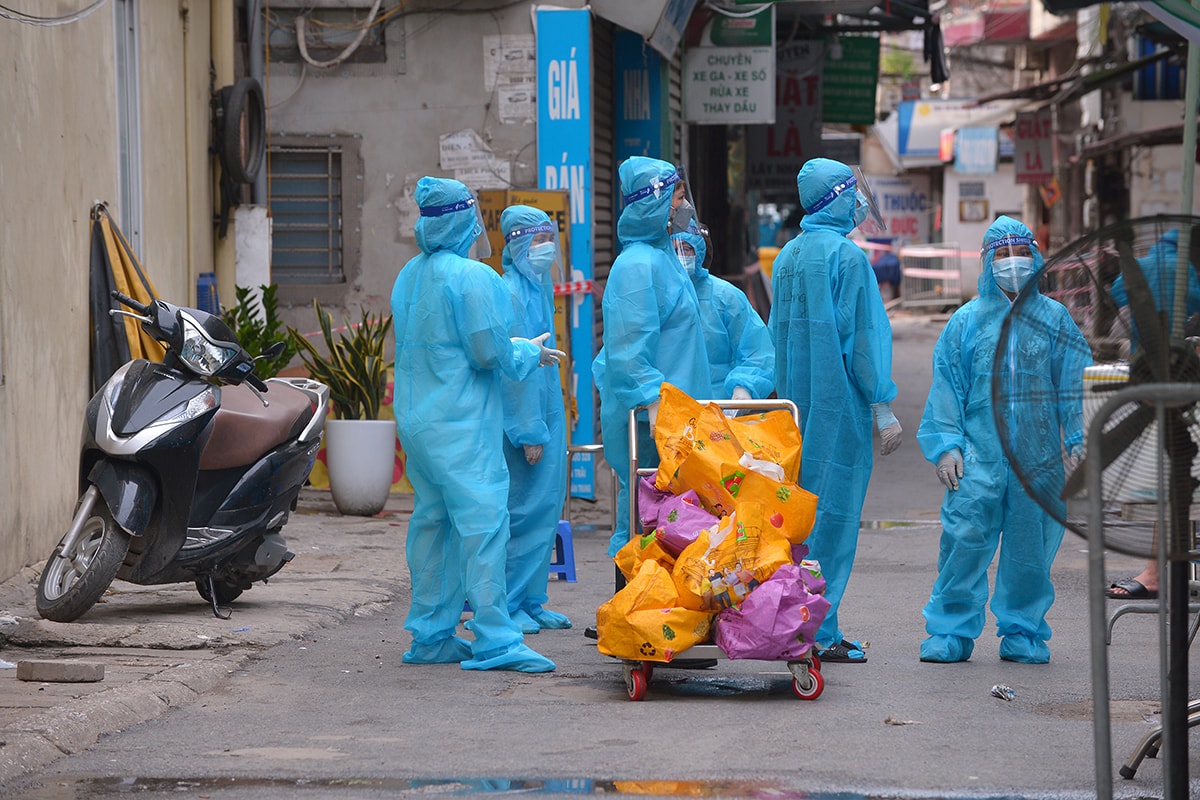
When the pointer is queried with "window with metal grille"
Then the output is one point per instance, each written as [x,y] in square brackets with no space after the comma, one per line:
[306,206]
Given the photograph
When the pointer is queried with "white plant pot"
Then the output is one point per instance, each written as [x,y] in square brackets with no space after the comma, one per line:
[360,455]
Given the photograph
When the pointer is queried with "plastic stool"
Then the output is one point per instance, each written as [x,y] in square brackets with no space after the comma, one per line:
[563,564]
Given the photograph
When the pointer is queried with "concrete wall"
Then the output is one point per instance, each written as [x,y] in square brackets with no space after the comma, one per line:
[58,153]
[1004,196]
[1156,173]
[432,84]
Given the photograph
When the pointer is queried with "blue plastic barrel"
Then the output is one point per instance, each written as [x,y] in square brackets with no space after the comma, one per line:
[206,293]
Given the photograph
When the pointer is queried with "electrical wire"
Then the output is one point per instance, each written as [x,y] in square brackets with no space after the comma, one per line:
[47,22]
[301,41]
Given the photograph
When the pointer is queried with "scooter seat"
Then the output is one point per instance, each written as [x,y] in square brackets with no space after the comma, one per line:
[243,429]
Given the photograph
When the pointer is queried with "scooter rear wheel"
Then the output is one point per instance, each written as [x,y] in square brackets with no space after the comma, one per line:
[73,581]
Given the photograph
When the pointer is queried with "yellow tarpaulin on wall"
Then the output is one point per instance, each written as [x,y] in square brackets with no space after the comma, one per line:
[113,265]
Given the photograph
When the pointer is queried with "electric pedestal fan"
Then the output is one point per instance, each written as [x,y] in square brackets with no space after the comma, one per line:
[1140,397]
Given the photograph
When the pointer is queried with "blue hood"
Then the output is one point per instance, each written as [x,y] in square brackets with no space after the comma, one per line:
[645,219]
[453,230]
[1001,228]
[815,181]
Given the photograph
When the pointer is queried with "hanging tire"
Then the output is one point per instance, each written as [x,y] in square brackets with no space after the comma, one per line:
[73,581]
[242,134]
[226,592]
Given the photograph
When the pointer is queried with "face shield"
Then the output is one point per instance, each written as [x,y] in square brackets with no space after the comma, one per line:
[872,224]
[480,247]
[537,246]
[683,206]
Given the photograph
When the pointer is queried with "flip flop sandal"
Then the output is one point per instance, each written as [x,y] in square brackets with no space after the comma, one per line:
[840,654]
[1133,590]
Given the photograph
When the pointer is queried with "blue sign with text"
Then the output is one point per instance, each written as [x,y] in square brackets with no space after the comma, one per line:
[564,146]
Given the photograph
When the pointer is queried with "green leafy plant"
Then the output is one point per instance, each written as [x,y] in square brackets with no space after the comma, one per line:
[352,365]
[257,325]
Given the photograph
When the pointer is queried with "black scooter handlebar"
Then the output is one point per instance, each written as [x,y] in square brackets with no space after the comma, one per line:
[126,300]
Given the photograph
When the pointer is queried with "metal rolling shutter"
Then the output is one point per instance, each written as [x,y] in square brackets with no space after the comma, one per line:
[604,170]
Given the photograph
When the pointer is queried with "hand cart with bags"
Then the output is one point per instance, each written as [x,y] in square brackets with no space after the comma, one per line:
[694,630]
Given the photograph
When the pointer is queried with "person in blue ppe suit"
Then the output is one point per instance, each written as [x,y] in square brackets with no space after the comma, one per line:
[453,318]
[741,356]
[535,424]
[833,358]
[985,505]
[1158,266]
[652,329]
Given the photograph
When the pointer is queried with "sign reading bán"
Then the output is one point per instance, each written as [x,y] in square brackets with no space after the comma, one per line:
[1034,156]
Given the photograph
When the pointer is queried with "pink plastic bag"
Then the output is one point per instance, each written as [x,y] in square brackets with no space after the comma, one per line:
[680,520]
[778,621]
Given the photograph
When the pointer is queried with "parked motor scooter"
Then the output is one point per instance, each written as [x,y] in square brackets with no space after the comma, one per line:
[188,470]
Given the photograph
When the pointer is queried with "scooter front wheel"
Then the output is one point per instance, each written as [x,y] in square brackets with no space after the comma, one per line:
[82,566]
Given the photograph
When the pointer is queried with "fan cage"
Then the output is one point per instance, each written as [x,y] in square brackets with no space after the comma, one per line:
[1139,493]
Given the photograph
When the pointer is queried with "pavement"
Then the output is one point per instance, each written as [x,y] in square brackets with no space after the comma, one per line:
[162,647]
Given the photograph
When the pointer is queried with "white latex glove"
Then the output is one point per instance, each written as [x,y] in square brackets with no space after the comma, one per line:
[652,412]
[739,394]
[548,355]
[950,468]
[533,453]
[890,432]
[1073,459]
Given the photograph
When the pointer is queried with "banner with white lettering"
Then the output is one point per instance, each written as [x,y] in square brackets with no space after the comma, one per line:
[729,78]
[906,206]
[775,153]
[1033,160]
[564,149]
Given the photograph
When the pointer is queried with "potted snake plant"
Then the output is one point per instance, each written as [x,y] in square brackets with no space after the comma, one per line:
[359,445]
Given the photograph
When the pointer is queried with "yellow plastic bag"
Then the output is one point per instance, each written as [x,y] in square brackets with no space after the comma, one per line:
[638,549]
[644,622]
[788,508]
[724,565]
[693,442]
[771,436]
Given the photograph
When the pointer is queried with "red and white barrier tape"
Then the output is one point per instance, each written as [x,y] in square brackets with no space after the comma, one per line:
[574,287]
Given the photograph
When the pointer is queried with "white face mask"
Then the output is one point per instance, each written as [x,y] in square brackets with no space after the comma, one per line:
[1011,273]
[689,264]
[541,257]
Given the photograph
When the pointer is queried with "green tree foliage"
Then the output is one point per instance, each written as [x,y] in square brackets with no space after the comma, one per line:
[257,326]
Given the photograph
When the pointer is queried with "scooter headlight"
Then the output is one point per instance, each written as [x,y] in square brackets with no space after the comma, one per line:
[201,353]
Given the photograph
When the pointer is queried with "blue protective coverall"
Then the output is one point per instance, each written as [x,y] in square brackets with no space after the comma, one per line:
[833,358]
[453,318]
[991,508]
[652,327]
[534,415]
[740,351]
[1158,266]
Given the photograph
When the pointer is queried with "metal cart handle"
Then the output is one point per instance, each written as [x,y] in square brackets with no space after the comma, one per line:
[778,404]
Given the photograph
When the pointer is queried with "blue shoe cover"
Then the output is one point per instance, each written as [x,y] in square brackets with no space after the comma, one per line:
[517,658]
[525,622]
[447,651]
[549,619]
[947,649]
[1024,649]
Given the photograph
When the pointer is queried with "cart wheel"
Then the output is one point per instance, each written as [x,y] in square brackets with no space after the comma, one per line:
[816,662]
[648,669]
[635,684]
[812,686]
